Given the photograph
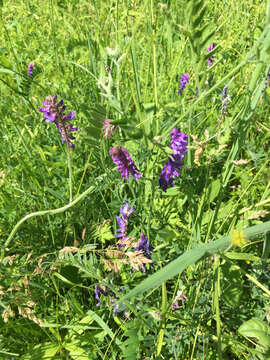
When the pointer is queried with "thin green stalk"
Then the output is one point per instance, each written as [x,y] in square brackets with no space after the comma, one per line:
[53,33]
[84,172]
[154,60]
[163,316]
[194,342]
[46,212]
[69,172]
[216,304]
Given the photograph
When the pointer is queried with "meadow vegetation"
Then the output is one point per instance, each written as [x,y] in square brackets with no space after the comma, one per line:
[134,214]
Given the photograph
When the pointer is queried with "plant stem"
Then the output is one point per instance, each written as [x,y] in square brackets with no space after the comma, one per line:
[69,172]
[91,189]
[216,305]
[163,318]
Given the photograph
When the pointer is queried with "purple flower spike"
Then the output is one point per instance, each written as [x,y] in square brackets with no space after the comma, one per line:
[267,81]
[144,246]
[225,99]
[171,169]
[30,69]
[126,166]
[53,111]
[183,83]
[122,221]
[211,58]
[98,291]
[125,209]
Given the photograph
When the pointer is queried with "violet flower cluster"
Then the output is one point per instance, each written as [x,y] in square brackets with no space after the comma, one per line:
[211,58]
[54,112]
[98,291]
[126,166]
[267,81]
[146,248]
[105,291]
[122,220]
[184,78]
[171,169]
[30,69]
[224,98]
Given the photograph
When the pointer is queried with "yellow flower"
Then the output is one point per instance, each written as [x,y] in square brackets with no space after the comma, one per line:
[238,238]
[251,173]
[54,147]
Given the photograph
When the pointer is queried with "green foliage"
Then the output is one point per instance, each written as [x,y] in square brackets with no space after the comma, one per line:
[121,60]
[258,329]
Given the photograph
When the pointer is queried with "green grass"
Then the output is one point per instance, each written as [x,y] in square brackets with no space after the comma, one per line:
[47,298]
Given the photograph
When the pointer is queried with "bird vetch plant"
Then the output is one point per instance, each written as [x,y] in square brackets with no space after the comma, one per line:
[126,166]
[125,211]
[171,169]
[184,79]
[54,112]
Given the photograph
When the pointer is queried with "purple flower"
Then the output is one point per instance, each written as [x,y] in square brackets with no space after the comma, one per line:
[30,69]
[99,290]
[146,248]
[106,292]
[121,231]
[225,98]
[175,306]
[179,296]
[115,310]
[126,166]
[267,81]
[211,58]
[108,129]
[122,221]
[171,169]
[224,93]
[54,112]
[183,83]
[126,210]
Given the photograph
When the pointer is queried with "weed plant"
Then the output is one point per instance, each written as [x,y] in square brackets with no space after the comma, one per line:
[149,239]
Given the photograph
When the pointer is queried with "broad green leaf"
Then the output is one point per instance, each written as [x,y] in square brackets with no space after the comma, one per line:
[214,190]
[130,347]
[242,256]
[258,329]
[266,246]
[173,191]
[42,351]
[76,352]
[233,289]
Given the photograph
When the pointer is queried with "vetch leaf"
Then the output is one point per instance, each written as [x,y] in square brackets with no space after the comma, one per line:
[42,351]
[256,328]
